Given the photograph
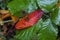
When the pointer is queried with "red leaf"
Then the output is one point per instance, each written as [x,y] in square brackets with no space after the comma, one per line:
[29,20]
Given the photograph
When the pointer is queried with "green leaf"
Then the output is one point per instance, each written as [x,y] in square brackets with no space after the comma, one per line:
[47,5]
[15,7]
[40,31]
[27,34]
[48,32]
[55,16]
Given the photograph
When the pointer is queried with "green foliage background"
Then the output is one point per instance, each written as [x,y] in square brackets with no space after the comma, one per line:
[42,30]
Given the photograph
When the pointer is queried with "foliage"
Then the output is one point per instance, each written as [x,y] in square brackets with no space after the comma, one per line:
[42,30]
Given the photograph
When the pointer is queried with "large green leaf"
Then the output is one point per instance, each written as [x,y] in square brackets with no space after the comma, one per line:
[27,34]
[55,16]
[15,7]
[47,5]
[40,31]
[48,32]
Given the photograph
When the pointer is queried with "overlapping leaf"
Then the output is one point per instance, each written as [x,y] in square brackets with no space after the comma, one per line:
[15,7]
[55,16]
[48,32]
[47,5]
[28,33]
[41,30]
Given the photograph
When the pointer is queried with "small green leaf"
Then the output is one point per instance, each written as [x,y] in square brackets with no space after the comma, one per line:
[55,16]
[47,5]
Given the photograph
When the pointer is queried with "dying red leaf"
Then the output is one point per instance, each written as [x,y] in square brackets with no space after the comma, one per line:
[29,20]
